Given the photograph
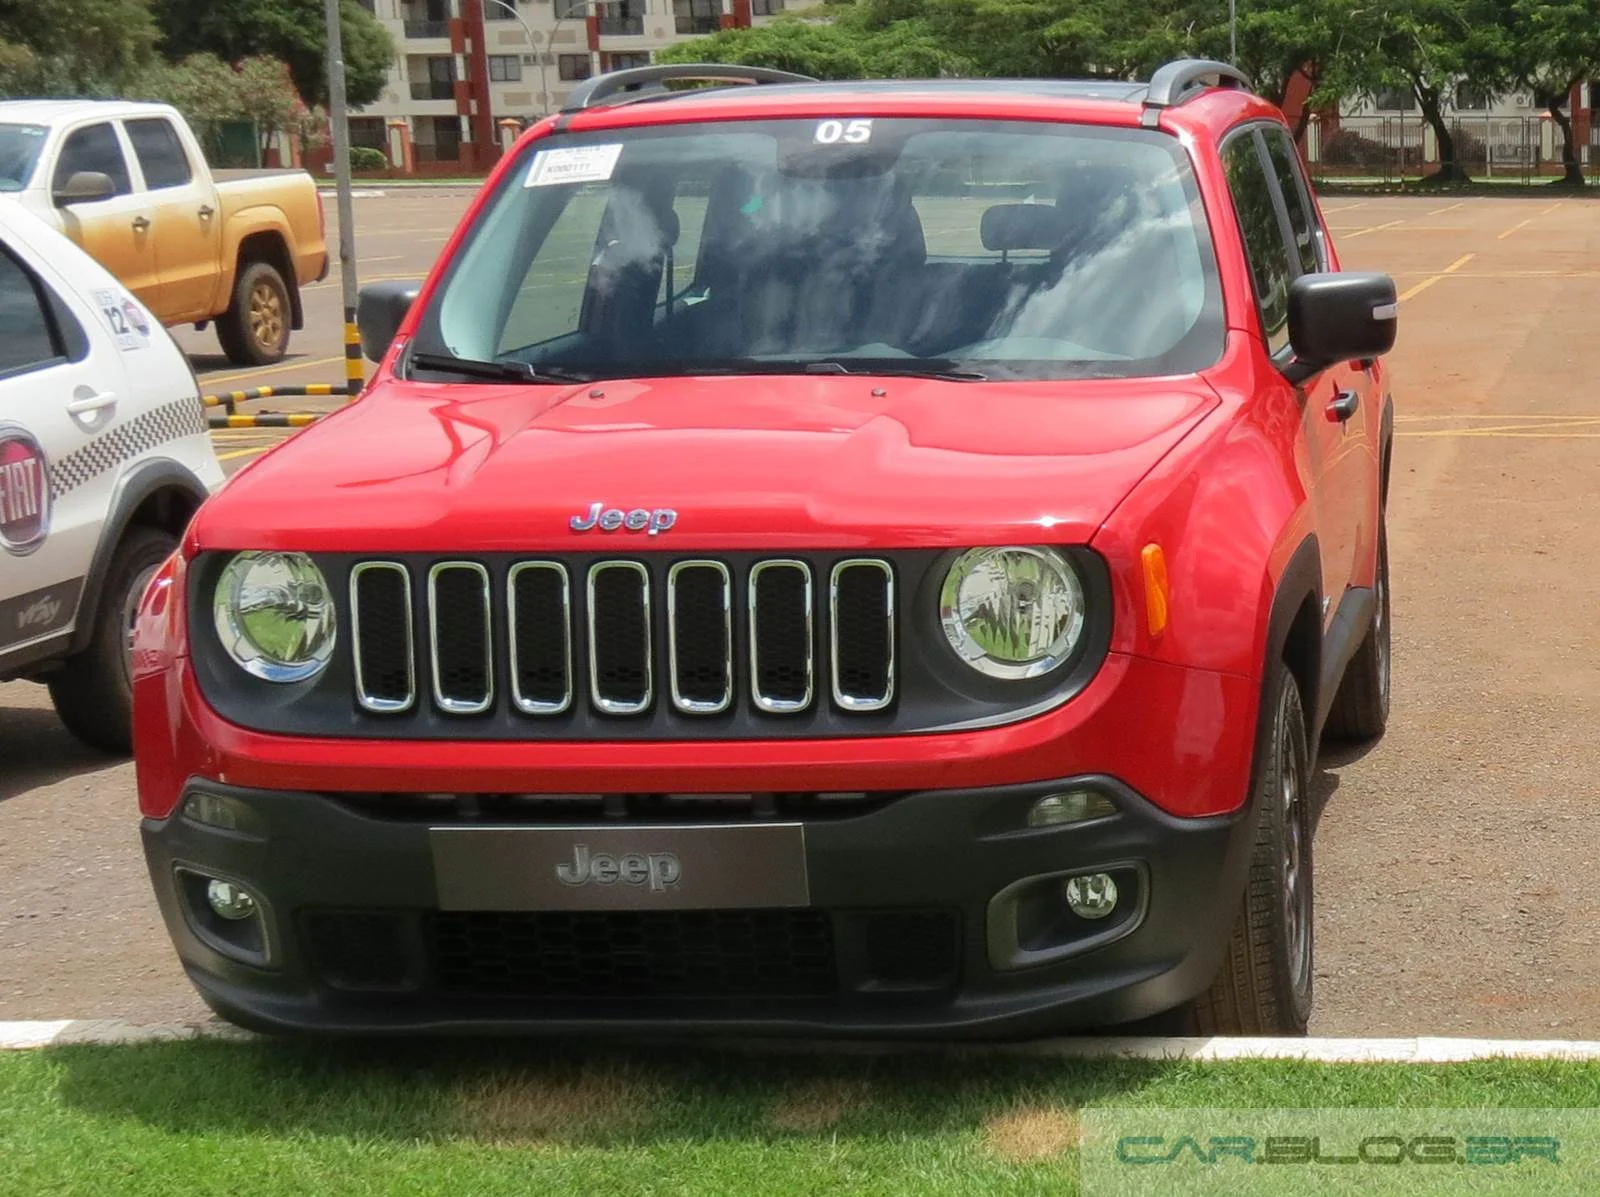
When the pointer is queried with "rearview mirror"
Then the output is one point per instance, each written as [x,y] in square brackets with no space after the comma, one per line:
[84,187]
[1339,317]
[380,309]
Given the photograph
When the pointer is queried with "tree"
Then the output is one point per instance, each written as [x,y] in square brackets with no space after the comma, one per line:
[841,48]
[202,88]
[265,93]
[1427,47]
[1556,45]
[293,31]
[74,46]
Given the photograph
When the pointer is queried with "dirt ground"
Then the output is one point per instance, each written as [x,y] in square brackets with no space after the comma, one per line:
[1456,861]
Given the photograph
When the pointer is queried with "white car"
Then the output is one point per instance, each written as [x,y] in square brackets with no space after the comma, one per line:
[104,457]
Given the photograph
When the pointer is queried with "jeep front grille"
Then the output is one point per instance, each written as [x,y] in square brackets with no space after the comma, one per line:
[625,635]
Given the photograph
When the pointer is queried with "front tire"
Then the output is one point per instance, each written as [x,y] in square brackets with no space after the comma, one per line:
[1264,986]
[254,331]
[1361,707]
[93,691]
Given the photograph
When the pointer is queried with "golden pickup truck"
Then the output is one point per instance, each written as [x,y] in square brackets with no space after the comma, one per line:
[129,184]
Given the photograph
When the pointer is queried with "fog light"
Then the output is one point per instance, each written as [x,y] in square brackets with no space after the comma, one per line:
[1091,896]
[1075,806]
[230,901]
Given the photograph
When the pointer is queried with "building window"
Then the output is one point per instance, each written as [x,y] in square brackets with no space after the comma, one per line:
[505,68]
[1395,100]
[499,12]
[698,16]
[627,61]
[765,8]
[1471,99]
[622,18]
[571,8]
[574,66]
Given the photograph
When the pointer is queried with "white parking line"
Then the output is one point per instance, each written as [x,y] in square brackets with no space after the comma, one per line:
[1422,1050]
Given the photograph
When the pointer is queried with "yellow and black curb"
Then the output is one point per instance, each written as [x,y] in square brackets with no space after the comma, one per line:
[231,417]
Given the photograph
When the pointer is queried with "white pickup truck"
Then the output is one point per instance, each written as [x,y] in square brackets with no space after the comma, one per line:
[128,183]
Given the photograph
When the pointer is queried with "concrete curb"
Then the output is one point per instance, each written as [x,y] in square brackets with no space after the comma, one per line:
[1424,1050]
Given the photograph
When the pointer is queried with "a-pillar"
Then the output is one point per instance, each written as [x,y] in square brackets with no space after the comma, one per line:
[402,155]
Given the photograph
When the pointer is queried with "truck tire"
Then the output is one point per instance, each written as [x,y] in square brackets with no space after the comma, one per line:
[1361,707]
[93,691]
[1264,984]
[254,331]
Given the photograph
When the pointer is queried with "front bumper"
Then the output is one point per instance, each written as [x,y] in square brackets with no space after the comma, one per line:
[935,913]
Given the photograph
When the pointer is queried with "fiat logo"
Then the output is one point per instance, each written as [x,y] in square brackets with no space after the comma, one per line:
[24,492]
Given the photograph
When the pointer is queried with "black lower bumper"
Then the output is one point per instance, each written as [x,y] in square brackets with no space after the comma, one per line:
[937,914]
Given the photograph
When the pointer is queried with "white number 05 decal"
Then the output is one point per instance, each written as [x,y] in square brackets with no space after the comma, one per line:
[852,132]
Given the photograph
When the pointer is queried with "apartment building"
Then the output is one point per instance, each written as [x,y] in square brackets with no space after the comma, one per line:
[464,66]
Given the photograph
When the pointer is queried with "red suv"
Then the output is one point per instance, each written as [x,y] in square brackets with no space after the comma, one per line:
[838,558]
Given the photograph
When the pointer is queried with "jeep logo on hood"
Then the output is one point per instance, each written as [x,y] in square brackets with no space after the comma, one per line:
[24,492]
[609,519]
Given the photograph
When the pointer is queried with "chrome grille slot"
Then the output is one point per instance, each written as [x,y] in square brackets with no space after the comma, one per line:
[539,620]
[380,629]
[700,636]
[459,626]
[782,643]
[621,680]
[861,634]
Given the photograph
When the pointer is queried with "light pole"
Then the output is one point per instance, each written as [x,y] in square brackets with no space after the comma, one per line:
[544,90]
[1233,33]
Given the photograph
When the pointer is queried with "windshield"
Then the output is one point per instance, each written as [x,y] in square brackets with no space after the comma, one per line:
[19,150]
[969,249]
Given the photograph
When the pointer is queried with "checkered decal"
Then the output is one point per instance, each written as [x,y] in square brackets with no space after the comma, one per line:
[170,422]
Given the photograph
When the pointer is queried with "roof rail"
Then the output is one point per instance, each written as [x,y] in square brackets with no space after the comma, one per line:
[594,92]
[1175,82]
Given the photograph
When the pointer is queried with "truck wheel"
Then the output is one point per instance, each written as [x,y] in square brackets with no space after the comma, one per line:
[93,691]
[1361,707]
[254,331]
[1264,985]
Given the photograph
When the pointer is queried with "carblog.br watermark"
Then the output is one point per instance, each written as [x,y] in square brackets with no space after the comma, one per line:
[1338,1150]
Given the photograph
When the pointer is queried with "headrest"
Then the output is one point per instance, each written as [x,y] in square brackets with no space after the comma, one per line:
[1012,227]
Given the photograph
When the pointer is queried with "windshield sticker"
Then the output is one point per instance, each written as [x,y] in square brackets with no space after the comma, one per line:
[125,318]
[24,492]
[849,132]
[574,164]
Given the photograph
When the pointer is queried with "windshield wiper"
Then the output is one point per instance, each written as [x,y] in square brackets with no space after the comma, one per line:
[506,371]
[944,371]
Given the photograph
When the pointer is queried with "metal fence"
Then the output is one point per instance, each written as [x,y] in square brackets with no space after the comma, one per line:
[1396,148]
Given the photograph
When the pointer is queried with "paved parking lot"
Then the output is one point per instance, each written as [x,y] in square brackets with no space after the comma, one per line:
[1456,862]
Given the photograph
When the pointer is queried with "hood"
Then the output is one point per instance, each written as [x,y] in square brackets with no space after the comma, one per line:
[760,462]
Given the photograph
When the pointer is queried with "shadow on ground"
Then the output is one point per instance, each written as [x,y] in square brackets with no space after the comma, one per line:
[36,750]
[576,1095]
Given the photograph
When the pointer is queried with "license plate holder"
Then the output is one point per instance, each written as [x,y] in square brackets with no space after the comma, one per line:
[601,868]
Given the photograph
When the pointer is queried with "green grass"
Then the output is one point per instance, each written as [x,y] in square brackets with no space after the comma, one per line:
[482,1119]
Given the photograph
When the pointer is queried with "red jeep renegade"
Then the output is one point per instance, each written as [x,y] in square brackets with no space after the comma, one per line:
[826,558]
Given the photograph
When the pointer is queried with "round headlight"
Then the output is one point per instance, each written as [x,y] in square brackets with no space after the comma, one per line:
[274,615]
[1013,612]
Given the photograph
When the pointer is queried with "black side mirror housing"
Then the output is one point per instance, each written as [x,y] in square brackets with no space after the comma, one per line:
[1339,317]
[380,309]
[84,187]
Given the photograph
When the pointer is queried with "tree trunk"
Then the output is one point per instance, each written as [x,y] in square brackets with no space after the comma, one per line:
[1450,170]
[1572,175]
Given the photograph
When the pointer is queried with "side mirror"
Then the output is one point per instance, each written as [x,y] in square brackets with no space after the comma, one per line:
[84,187]
[1339,317]
[380,309]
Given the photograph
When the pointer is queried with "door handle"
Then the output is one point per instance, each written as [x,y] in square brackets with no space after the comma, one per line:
[1343,405]
[95,401]
[207,211]
[140,224]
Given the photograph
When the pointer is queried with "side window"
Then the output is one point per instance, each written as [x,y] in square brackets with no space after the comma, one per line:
[96,148]
[160,153]
[1296,198]
[550,301]
[27,338]
[1256,207]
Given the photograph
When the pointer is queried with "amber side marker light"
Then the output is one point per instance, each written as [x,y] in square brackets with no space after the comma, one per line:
[1155,588]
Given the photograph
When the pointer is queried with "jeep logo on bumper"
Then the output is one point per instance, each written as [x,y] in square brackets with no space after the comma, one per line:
[658,870]
[609,519]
